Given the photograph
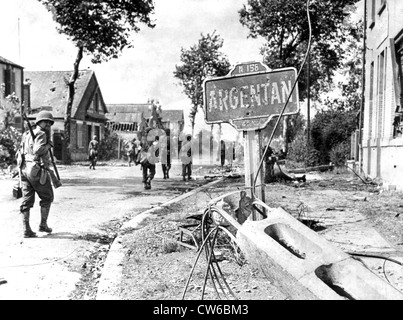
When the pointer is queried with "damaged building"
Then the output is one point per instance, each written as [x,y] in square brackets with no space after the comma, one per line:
[382,141]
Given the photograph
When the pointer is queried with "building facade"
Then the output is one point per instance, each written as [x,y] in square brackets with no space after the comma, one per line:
[126,119]
[47,90]
[382,141]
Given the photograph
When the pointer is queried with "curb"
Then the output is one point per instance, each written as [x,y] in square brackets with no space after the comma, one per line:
[112,271]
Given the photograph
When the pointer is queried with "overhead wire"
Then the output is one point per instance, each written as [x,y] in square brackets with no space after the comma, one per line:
[208,244]
[288,99]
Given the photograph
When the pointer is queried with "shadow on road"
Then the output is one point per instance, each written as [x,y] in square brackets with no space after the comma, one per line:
[61,235]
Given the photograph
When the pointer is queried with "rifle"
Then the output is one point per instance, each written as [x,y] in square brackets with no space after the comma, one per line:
[55,179]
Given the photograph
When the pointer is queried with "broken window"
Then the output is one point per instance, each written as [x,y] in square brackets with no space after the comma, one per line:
[398,118]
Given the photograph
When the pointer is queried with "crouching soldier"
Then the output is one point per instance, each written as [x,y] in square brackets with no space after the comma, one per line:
[35,178]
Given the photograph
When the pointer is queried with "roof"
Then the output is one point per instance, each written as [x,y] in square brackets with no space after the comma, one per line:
[129,113]
[96,117]
[49,88]
[5,61]
[172,115]
[128,108]
[125,117]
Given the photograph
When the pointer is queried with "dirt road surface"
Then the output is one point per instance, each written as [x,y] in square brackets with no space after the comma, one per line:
[87,212]
[93,206]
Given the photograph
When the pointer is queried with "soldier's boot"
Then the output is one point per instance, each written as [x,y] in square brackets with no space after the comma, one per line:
[43,227]
[27,231]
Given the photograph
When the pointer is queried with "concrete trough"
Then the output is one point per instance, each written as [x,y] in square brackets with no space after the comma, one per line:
[301,263]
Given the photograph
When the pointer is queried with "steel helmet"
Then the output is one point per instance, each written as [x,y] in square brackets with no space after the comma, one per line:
[44,115]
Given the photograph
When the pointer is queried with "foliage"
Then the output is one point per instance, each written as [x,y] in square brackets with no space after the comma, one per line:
[99,28]
[331,127]
[340,154]
[296,124]
[9,144]
[199,62]
[298,151]
[9,136]
[284,24]
[9,107]
[348,90]
[107,146]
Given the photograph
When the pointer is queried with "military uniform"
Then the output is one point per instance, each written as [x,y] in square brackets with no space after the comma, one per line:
[148,157]
[93,152]
[186,158]
[34,163]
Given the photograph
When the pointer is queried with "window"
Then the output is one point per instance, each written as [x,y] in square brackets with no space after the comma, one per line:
[381,93]
[9,81]
[382,6]
[97,132]
[371,100]
[79,135]
[398,119]
[371,13]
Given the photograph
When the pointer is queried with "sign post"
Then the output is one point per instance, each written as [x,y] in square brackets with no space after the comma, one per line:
[248,98]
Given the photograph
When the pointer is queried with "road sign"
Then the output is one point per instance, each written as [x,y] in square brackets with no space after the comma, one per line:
[250,95]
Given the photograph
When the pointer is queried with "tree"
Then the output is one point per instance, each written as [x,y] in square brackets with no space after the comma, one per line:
[339,113]
[199,62]
[284,24]
[99,28]
[331,128]
[9,136]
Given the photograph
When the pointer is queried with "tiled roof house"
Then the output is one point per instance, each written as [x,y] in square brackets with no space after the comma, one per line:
[48,90]
[127,117]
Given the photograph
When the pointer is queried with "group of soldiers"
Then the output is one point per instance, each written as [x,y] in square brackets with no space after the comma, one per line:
[35,157]
[148,153]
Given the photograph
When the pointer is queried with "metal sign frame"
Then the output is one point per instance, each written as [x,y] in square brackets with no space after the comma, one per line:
[239,74]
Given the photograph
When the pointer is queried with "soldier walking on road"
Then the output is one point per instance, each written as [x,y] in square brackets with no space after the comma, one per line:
[93,152]
[132,151]
[34,161]
[165,156]
[147,159]
[222,153]
[186,158]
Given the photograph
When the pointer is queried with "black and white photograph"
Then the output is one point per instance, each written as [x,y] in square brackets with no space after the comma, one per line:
[201,157]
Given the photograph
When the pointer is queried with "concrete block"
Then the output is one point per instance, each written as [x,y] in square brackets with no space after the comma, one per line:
[304,265]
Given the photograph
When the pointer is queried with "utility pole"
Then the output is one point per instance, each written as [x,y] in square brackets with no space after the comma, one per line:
[19,41]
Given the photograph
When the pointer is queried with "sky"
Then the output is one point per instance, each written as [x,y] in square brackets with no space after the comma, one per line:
[29,38]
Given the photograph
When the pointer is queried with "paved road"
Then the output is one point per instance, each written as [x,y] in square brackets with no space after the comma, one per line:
[47,267]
